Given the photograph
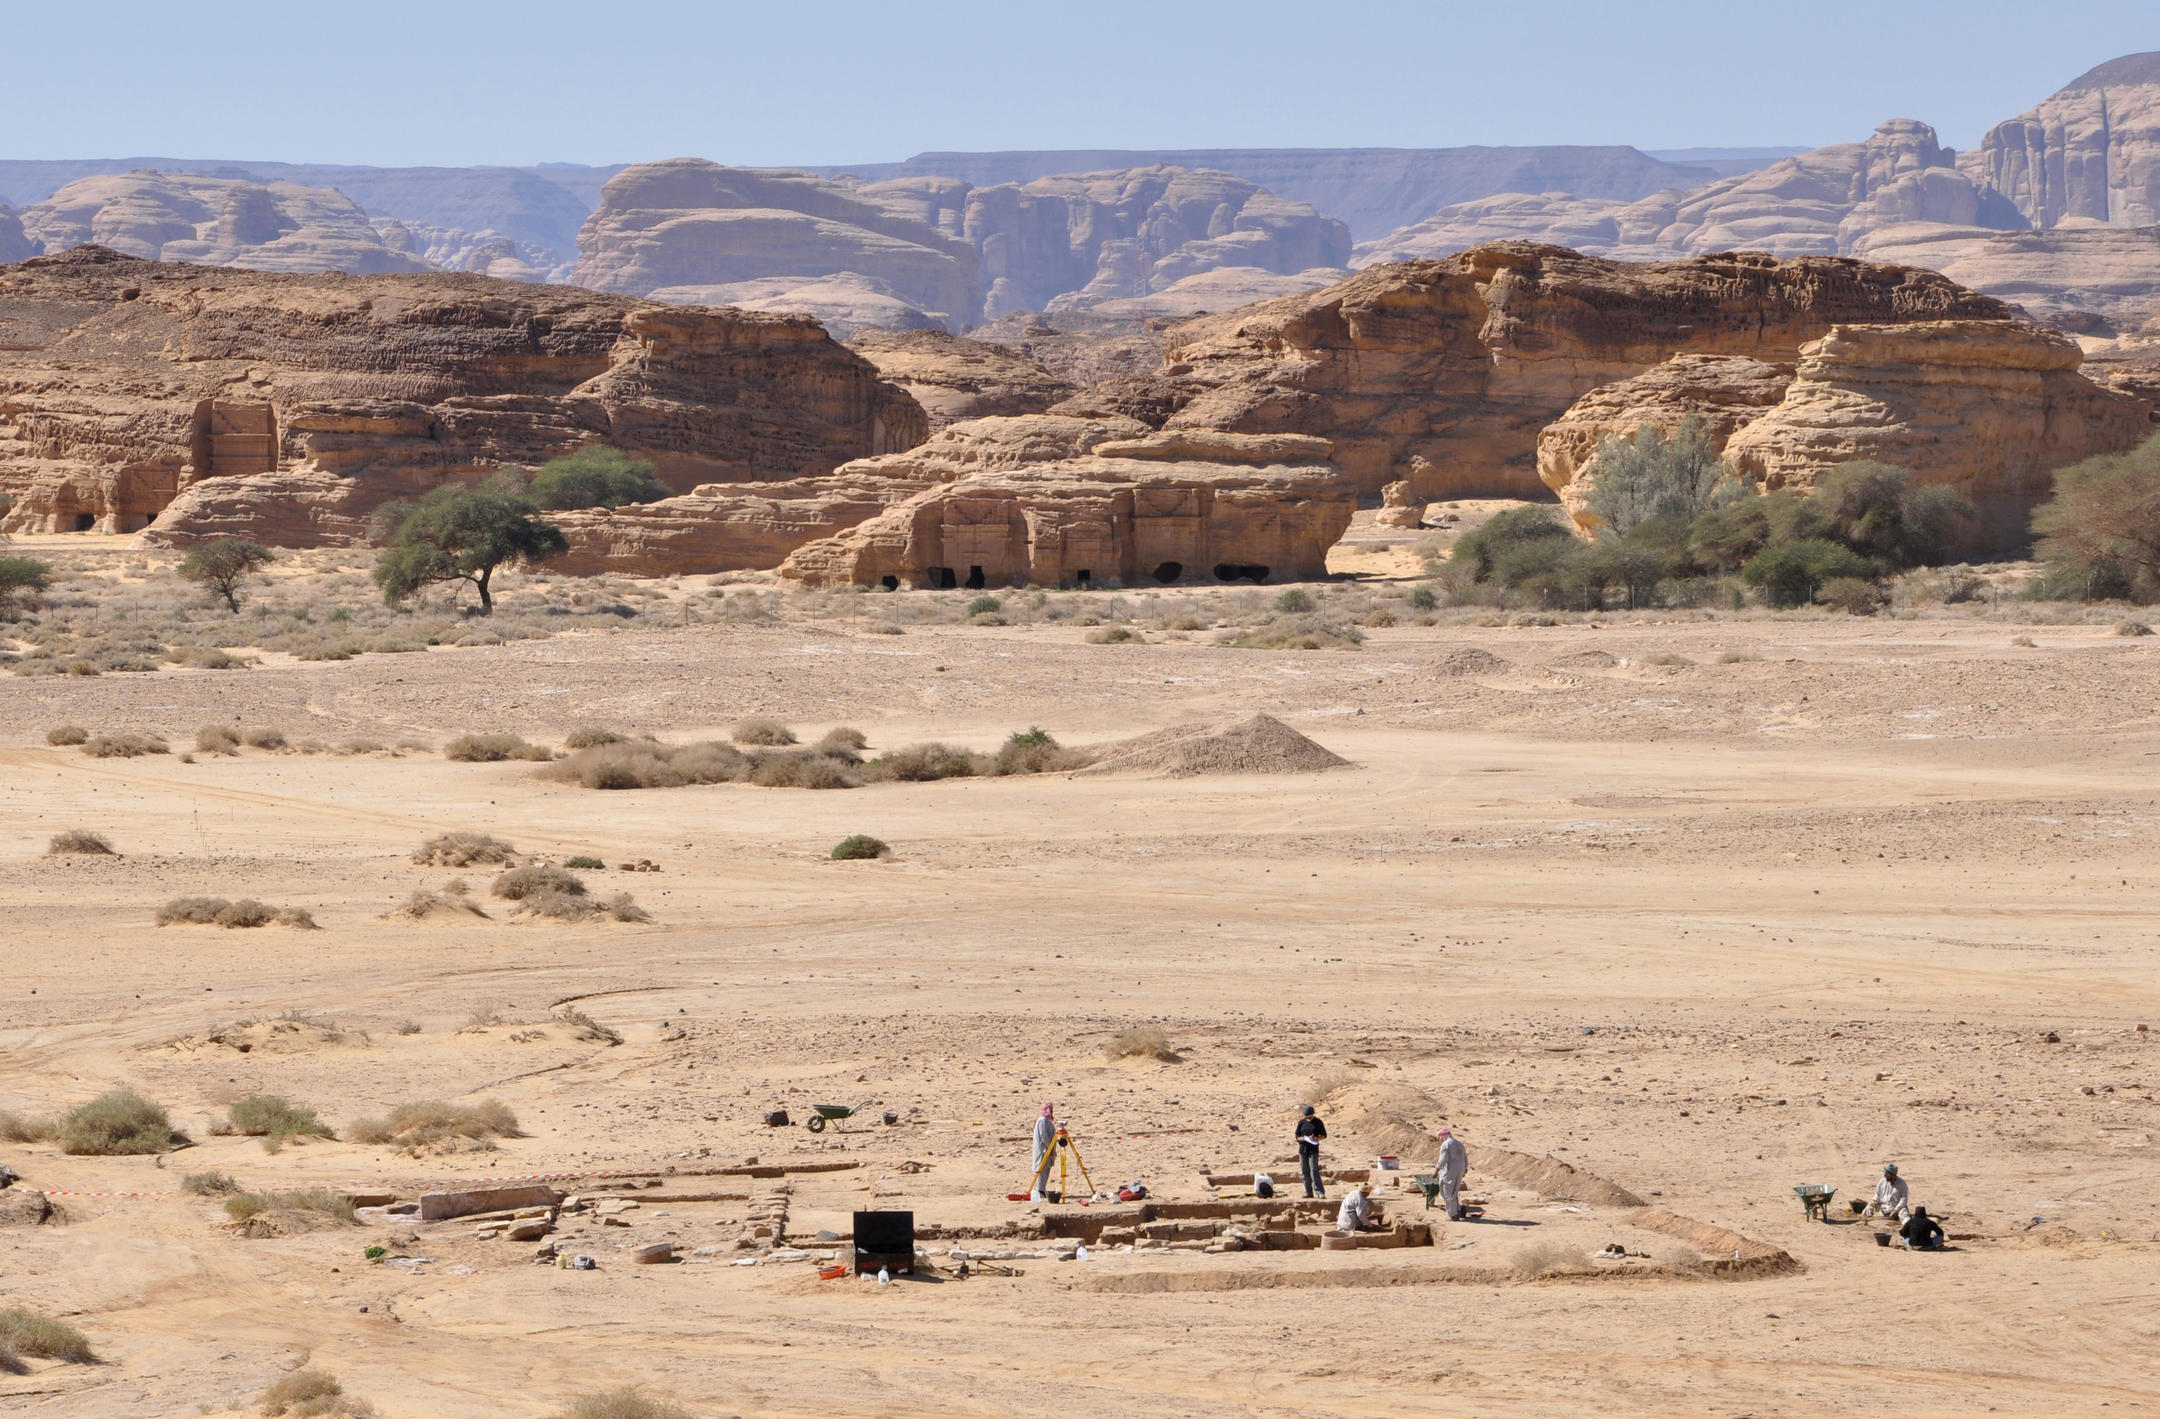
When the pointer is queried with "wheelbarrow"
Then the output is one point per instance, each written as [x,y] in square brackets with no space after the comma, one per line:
[1427,1184]
[1815,1200]
[832,1113]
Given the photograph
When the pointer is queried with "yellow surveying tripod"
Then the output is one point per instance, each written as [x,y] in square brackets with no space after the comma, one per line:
[1061,1146]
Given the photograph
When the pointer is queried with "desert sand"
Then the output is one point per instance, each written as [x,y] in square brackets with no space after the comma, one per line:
[1703,905]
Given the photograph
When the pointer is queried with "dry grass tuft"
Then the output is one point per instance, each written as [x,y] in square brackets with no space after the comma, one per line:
[843,740]
[313,1394]
[117,1123]
[264,738]
[1140,1042]
[127,745]
[1543,1259]
[763,733]
[306,1206]
[217,739]
[246,912]
[589,736]
[26,1332]
[209,1184]
[491,749]
[924,763]
[454,900]
[561,906]
[67,734]
[464,850]
[273,1119]
[623,1403]
[14,1128]
[536,879]
[411,1127]
[78,840]
[2132,628]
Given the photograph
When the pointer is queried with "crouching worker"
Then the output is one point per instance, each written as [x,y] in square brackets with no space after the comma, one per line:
[1356,1214]
[1449,1171]
[1891,1195]
[1921,1232]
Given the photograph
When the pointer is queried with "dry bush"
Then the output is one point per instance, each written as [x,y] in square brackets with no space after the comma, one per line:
[453,900]
[1113,635]
[26,1332]
[1033,751]
[264,738]
[800,770]
[216,739]
[14,1128]
[1140,1042]
[588,1028]
[589,736]
[1668,658]
[126,745]
[649,764]
[464,850]
[313,1394]
[315,1202]
[883,628]
[354,748]
[1543,1259]
[843,740]
[561,906]
[764,733]
[491,749]
[81,841]
[1737,657]
[530,881]
[2132,628]
[210,1184]
[246,912]
[1309,632]
[67,734]
[923,763]
[860,847]
[623,1403]
[411,1127]
[117,1123]
[274,1119]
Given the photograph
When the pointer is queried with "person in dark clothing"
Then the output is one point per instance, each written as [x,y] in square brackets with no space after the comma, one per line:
[1921,1232]
[1310,1130]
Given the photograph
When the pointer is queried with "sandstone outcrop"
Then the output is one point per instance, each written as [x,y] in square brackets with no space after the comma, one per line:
[1225,288]
[15,244]
[291,406]
[1989,408]
[844,303]
[483,253]
[954,377]
[214,221]
[1400,506]
[1463,362]
[1722,393]
[2083,279]
[2090,152]
[1160,508]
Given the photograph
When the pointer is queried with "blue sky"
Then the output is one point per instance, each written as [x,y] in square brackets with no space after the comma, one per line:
[476,81]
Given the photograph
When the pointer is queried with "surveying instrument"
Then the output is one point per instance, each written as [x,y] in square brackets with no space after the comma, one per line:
[1062,1146]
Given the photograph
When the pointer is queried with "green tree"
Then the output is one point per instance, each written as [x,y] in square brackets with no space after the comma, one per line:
[596,476]
[1650,474]
[222,565]
[1878,511]
[1790,574]
[462,534]
[1512,544]
[22,581]
[2099,535]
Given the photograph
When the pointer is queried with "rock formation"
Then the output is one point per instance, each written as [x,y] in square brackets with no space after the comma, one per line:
[289,407]
[2082,279]
[1162,508]
[1463,362]
[956,378]
[2091,152]
[1990,408]
[483,253]
[215,221]
[15,244]
[1400,506]
[1722,393]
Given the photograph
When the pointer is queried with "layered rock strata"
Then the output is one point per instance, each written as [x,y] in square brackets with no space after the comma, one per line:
[956,378]
[2089,152]
[289,407]
[213,221]
[1463,362]
[1160,508]
[1991,409]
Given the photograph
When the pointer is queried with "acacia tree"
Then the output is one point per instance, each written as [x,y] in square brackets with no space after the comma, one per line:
[222,565]
[1649,474]
[596,476]
[2101,530]
[462,534]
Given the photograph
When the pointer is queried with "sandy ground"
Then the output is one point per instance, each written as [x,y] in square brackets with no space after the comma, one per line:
[1707,930]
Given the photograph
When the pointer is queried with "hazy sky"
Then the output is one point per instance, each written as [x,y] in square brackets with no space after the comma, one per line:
[476,81]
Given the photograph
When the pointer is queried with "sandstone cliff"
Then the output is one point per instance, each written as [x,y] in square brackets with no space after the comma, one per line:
[1989,408]
[290,406]
[954,377]
[215,222]
[1461,363]
[2082,278]
[15,244]
[1158,508]
[2091,151]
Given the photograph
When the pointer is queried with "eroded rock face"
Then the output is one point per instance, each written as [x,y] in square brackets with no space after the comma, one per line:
[15,244]
[1990,408]
[1464,362]
[2091,151]
[2082,279]
[1160,508]
[1722,393]
[215,221]
[289,407]
[954,377]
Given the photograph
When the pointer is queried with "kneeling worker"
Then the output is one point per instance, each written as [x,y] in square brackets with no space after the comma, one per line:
[1891,1195]
[1449,1170]
[1921,1232]
[1356,1214]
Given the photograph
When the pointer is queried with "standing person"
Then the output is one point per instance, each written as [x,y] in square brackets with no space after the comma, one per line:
[1449,1170]
[1891,1195]
[1310,1130]
[1045,1151]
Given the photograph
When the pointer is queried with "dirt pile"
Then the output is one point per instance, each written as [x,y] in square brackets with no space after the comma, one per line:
[1256,744]
[1383,1117]
[1551,1178]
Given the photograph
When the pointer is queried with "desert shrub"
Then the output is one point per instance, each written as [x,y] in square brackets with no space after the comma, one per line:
[1542,1259]
[1112,635]
[883,628]
[216,739]
[26,1332]
[807,770]
[1853,595]
[589,1027]
[117,1123]
[1298,633]
[459,534]
[589,736]
[67,734]
[984,606]
[2099,534]
[491,749]
[564,906]
[453,900]
[126,745]
[14,1128]
[274,1119]
[622,1404]
[1033,751]
[1421,598]
[596,476]
[312,1394]
[842,740]
[858,847]
[246,912]
[1139,1042]
[23,580]
[1667,657]
[414,1126]
[2132,628]
[462,849]
[1649,474]
[583,863]
[315,1200]
[209,1184]
[264,738]
[647,763]
[222,566]
[1790,574]
[763,732]
[1881,514]
[1379,619]
[191,911]
[924,763]
[78,840]
[208,657]
[1511,547]
[521,882]
[1736,657]
[1294,602]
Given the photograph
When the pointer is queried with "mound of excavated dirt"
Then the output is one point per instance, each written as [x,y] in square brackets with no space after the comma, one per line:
[1471,660]
[1586,660]
[1257,744]
[1549,1177]
[280,1036]
[1383,1117]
